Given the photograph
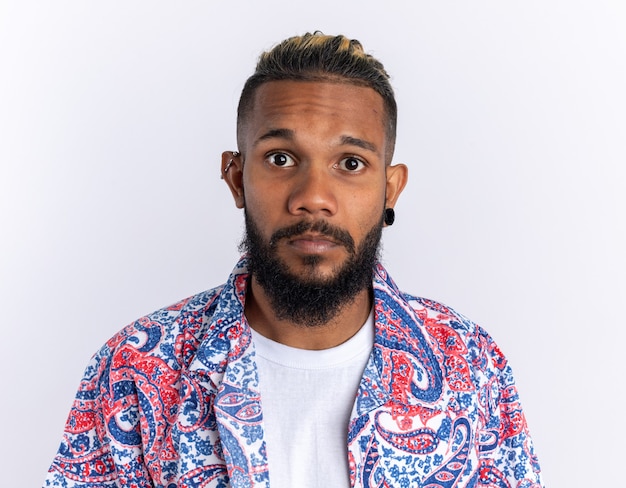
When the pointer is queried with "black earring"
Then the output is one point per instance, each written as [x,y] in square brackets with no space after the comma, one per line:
[390,216]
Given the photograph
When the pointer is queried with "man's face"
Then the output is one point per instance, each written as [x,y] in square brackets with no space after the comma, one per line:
[314,183]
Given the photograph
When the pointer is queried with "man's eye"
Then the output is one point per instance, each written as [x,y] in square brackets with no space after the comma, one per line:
[280,159]
[351,164]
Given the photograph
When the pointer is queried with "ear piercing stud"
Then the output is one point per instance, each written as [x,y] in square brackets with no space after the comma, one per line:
[390,216]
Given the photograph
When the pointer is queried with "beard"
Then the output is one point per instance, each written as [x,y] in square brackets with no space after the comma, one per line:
[309,299]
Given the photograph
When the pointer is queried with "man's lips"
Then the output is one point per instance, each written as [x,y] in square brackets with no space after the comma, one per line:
[313,235]
[313,243]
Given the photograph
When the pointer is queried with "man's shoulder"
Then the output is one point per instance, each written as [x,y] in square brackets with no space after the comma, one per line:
[422,315]
[432,311]
[171,334]
[454,333]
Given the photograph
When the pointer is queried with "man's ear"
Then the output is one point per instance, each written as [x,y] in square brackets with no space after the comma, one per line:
[397,176]
[232,174]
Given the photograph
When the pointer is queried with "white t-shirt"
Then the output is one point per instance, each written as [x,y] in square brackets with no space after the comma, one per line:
[307,397]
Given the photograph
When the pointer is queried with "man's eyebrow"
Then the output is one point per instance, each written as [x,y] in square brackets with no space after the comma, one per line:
[355,141]
[289,134]
[276,134]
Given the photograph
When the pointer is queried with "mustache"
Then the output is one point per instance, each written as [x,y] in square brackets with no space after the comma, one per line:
[321,227]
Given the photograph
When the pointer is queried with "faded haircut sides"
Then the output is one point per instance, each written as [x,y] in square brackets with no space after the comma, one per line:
[319,57]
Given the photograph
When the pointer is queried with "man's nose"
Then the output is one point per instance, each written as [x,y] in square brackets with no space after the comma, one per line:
[313,191]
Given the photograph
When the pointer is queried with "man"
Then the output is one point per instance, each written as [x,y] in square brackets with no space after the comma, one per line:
[308,367]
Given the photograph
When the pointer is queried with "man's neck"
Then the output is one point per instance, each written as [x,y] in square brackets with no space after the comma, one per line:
[339,329]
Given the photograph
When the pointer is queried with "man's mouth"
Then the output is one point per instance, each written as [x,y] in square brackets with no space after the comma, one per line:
[314,237]
[313,243]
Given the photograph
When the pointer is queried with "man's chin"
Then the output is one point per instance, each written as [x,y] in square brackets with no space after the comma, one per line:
[307,297]
[313,270]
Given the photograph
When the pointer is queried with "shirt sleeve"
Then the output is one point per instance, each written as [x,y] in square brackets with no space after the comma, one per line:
[507,455]
[101,445]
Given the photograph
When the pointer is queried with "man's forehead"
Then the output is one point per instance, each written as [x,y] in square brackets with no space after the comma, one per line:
[341,87]
[301,101]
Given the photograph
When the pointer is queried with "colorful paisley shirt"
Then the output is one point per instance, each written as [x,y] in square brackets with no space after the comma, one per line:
[173,401]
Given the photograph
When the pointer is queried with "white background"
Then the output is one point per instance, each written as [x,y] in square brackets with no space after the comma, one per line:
[512,120]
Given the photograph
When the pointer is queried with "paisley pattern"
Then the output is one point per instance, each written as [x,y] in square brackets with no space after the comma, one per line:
[173,401]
